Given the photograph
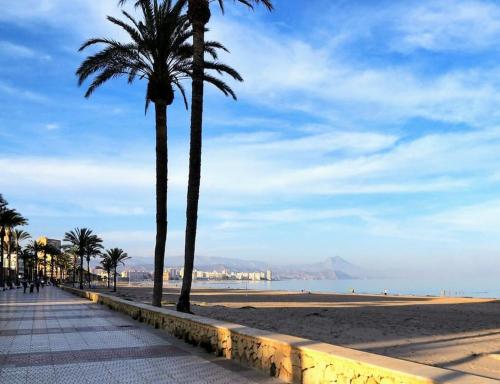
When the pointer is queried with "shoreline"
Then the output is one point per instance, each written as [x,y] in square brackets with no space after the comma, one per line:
[200,285]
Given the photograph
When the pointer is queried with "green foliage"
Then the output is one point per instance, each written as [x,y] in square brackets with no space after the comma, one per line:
[159,51]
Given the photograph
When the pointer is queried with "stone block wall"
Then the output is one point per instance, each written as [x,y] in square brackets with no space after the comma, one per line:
[292,359]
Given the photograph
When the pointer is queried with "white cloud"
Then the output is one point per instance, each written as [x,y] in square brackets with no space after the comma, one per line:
[272,166]
[52,126]
[453,25]
[482,217]
[22,93]
[10,49]
[321,81]
[66,15]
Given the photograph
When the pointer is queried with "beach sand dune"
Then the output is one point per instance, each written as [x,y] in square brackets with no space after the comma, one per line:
[462,334]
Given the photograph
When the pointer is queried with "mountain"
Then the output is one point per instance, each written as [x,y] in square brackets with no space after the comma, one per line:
[332,268]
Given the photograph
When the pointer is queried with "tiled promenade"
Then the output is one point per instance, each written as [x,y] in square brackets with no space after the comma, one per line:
[54,337]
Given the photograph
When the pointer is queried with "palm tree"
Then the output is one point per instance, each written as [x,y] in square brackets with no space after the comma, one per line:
[79,239]
[116,256]
[199,14]
[64,264]
[19,235]
[9,245]
[72,252]
[159,52]
[106,265]
[9,218]
[93,249]
[54,253]
[27,257]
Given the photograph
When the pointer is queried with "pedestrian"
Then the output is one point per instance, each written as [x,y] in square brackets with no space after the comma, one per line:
[32,286]
[25,285]
[37,285]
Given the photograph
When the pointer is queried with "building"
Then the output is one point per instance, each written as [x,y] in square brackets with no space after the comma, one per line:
[135,275]
[223,275]
[172,274]
[46,256]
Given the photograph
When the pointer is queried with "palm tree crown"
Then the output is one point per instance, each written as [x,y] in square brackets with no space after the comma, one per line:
[159,51]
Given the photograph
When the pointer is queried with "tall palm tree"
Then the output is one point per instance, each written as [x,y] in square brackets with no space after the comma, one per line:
[199,14]
[106,265]
[27,257]
[9,218]
[93,249]
[159,52]
[116,256]
[31,255]
[72,252]
[54,253]
[19,235]
[9,245]
[79,239]
[64,264]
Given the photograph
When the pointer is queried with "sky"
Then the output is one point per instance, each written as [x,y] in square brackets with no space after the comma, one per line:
[364,129]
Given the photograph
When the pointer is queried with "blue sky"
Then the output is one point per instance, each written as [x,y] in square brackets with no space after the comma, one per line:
[364,129]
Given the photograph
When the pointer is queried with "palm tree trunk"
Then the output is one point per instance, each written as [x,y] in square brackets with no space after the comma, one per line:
[109,276]
[114,281]
[88,270]
[9,258]
[74,270]
[17,262]
[161,199]
[81,271]
[2,271]
[193,193]
[52,267]
[45,265]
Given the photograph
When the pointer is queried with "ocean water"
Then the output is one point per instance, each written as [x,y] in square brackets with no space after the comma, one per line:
[479,287]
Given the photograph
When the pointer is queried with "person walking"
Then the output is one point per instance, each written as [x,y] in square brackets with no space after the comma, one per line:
[32,286]
[37,285]
[25,285]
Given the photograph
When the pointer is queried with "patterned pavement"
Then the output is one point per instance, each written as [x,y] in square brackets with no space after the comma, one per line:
[54,337]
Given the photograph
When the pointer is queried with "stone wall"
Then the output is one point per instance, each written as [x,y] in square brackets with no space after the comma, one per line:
[289,358]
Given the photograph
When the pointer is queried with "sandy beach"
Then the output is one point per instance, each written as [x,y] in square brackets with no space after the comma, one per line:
[461,334]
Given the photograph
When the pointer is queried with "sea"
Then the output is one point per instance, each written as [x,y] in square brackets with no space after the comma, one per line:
[451,287]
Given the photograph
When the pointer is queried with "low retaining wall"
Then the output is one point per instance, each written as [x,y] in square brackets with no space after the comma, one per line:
[289,358]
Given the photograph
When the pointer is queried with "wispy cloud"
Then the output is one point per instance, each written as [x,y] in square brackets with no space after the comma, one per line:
[13,91]
[52,126]
[302,76]
[10,50]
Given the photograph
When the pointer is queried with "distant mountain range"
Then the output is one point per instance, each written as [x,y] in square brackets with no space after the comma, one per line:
[332,268]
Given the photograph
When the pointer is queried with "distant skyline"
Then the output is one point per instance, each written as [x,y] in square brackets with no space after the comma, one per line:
[364,129]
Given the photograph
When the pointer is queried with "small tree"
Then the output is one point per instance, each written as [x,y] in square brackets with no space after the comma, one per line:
[106,265]
[116,256]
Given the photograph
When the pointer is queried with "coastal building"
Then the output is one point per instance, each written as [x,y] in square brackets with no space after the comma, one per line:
[172,274]
[176,274]
[135,275]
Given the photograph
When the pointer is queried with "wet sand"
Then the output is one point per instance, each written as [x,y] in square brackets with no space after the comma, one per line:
[462,334]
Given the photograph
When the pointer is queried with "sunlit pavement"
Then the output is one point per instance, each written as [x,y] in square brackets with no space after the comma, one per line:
[54,337]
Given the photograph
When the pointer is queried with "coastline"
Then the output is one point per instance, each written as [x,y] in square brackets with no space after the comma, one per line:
[425,287]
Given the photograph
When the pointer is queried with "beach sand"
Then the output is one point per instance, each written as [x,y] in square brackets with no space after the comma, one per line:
[461,334]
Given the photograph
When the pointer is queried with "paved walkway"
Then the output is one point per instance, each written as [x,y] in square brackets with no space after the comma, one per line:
[55,337]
